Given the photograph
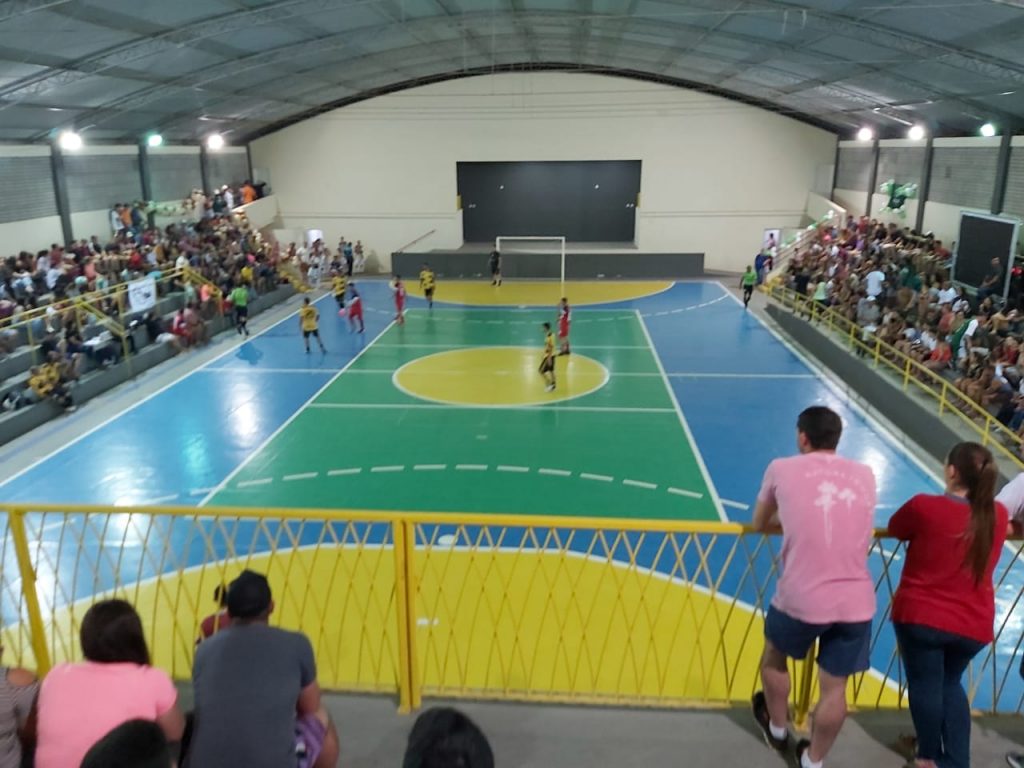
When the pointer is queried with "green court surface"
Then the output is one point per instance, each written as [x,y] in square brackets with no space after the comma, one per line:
[448,413]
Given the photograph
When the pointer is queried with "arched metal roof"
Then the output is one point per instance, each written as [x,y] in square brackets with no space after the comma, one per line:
[119,69]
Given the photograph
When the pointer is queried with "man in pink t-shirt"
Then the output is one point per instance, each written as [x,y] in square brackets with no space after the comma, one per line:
[824,506]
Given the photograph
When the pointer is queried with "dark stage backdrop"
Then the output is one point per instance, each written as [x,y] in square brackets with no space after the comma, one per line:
[583,201]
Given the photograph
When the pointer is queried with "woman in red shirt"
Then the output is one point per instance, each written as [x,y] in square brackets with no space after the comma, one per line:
[944,608]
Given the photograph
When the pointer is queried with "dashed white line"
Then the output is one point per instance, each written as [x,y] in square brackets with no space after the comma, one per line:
[200,491]
[640,484]
[512,468]
[472,467]
[388,468]
[346,471]
[599,478]
[259,481]
[159,500]
[301,476]
[429,467]
[734,504]
[554,472]
[688,494]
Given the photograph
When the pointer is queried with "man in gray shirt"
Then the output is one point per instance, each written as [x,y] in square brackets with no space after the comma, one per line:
[257,702]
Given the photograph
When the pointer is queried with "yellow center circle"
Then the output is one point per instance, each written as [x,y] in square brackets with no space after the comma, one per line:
[497,377]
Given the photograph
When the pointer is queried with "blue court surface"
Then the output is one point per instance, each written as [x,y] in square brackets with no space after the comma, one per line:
[739,387]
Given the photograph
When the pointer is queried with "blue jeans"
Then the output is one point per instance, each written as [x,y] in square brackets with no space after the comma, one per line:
[935,662]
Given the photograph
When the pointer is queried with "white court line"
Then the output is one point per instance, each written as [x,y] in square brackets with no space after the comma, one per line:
[599,478]
[231,476]
[260,481]
[340,472]
[159,500]
[430,467]
[682,420]
[231,348]
[301,476]
[471,467]
[389,468]
[414,345]
[464,406]
[741,375]
[253,369]
[640,484]
[688,494]
[735,504]
[512,468]
[554,472]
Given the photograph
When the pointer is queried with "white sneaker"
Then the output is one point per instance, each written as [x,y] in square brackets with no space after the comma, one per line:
[549,388]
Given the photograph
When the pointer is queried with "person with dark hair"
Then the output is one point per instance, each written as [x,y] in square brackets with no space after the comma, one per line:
[133,744]
[824,506]
[944,607]
[547,362]
[79,703]
[18,691]
[257,701]
[495,264]
[443,737]
[218,621]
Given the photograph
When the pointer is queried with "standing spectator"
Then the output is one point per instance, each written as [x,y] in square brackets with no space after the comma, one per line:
[257,699]
[824,505]
[443,737]
[248,193]
[759,266]
[348,252]
[875,280]
[944,607]
[80,703]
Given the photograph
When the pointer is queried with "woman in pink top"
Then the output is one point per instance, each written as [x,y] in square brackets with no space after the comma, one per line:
[81,703]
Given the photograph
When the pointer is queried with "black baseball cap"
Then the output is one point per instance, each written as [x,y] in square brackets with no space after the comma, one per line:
[248,595]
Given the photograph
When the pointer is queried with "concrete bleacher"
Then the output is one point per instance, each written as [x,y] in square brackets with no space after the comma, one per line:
[14,369]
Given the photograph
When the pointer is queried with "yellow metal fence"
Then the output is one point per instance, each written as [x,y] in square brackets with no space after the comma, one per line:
[512,607]
[913,376]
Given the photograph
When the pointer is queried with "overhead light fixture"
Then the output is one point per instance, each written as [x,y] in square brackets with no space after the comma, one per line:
[69,140]
[988,130]
[154,140]
[916,132]
[215,141]
[865,134]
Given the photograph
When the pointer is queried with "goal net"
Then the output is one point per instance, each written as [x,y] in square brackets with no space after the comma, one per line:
[532,257]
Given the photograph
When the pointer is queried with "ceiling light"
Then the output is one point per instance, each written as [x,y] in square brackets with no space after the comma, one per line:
[69,140]
[865,134]
[916,132]
[214,141]
[154,140]
[988,130]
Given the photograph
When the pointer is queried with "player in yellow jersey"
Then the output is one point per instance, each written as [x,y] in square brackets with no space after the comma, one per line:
[309,320]
[547,364]
[428,283]
[339,284]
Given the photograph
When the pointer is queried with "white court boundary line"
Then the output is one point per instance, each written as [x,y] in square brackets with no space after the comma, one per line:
[153,394]
[712,491]
[829,379]
[259,449]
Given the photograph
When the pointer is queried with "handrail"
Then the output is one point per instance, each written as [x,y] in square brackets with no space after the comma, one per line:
[518,607]
[910,370]
[421,237]
[788,249]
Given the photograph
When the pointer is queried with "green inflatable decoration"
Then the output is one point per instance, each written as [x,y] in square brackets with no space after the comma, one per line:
[898,194]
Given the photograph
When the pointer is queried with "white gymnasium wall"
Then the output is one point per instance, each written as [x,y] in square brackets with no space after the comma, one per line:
[29,235]
[715,173]
[35,232]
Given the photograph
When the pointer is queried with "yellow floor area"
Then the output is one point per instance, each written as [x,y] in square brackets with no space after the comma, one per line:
[496,377]
[539,294]
[488,622]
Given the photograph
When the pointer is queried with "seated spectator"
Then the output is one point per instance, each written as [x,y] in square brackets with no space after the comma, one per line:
[443,737]
[215,622]
[80,703]
[133,744]
[256,695]
[18,691]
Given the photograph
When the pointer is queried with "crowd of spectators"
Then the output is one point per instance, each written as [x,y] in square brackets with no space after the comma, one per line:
[894,284]
[257,701]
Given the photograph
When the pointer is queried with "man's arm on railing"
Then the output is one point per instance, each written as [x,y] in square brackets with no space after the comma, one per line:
[766,517]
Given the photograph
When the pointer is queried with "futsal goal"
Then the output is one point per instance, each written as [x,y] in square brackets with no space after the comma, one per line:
[536,257]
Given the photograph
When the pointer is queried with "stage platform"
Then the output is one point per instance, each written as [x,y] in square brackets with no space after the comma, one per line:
[539,260]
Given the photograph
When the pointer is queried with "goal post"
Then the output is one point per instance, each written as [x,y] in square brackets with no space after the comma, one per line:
[534,249]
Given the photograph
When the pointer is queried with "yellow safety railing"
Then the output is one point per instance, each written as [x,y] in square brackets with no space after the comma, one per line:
[914,377]
[625,612]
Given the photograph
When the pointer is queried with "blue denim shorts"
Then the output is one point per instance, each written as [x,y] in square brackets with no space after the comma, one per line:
[842,647]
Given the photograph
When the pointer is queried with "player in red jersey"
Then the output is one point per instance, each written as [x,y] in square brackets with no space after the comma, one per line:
[399,288]
[563,327]
[355,309]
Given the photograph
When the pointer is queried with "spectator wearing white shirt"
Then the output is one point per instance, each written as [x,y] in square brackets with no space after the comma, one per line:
[875,279]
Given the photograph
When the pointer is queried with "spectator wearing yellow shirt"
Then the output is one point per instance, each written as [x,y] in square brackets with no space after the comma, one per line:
[309,321]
